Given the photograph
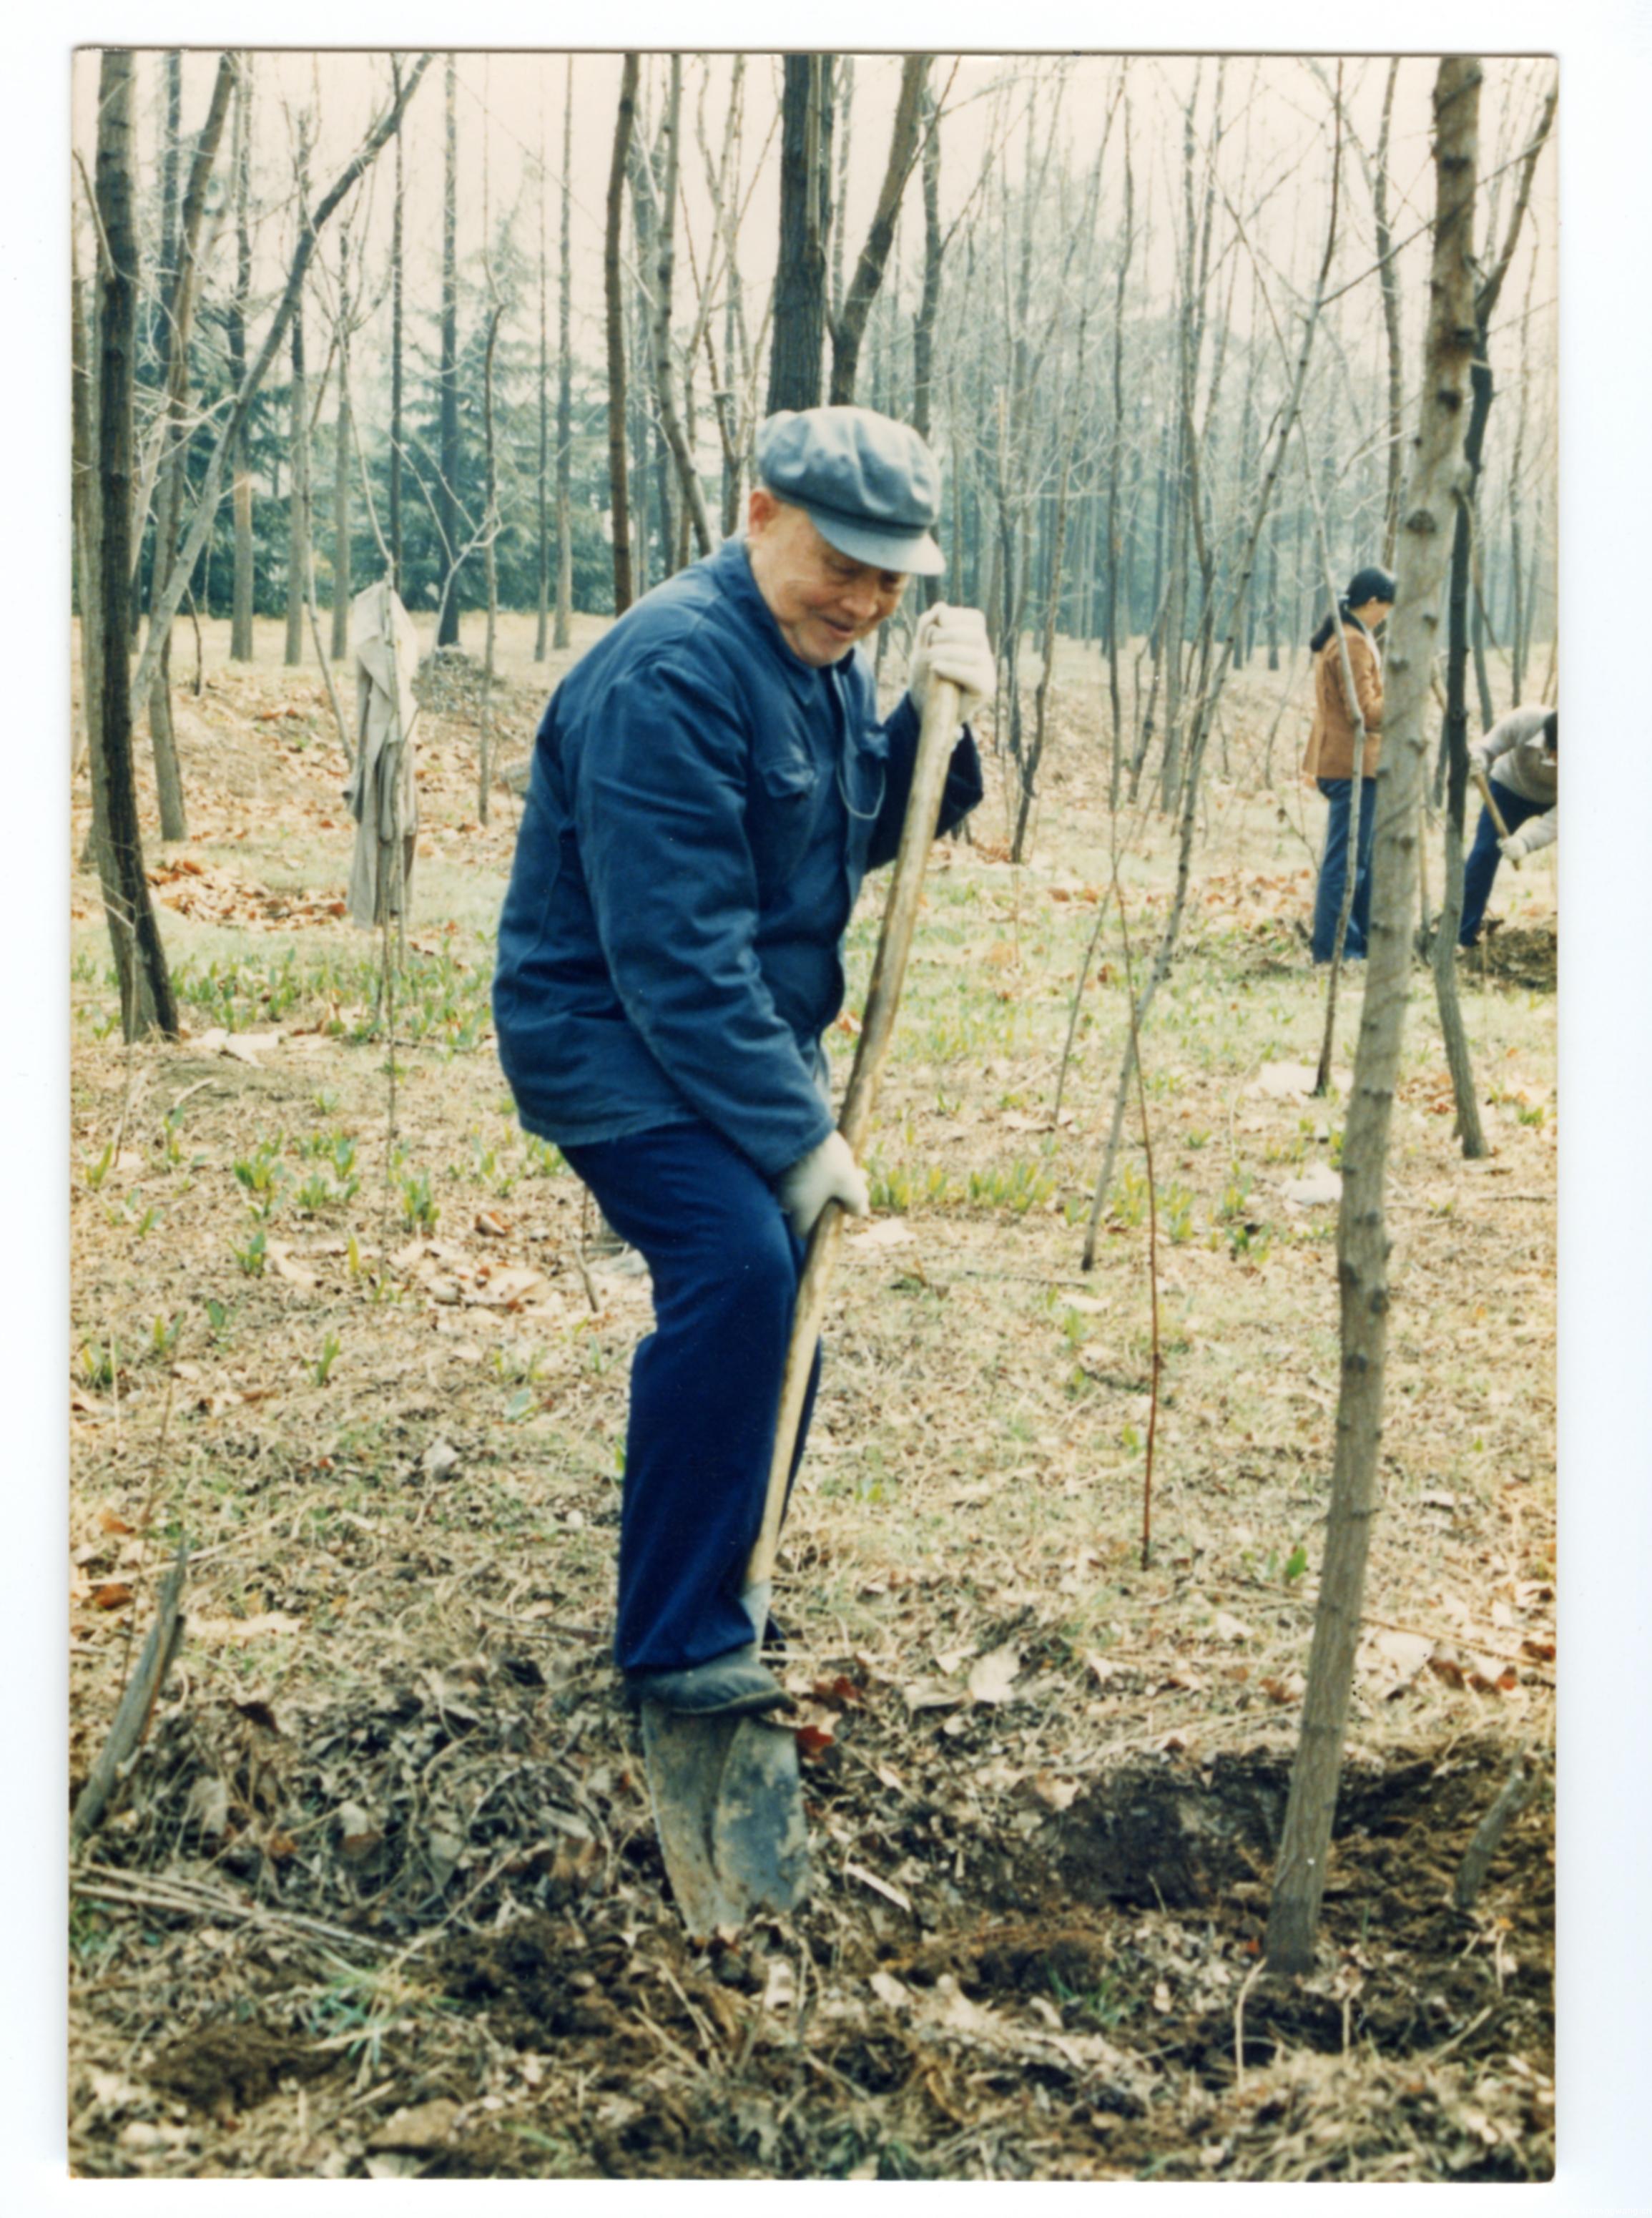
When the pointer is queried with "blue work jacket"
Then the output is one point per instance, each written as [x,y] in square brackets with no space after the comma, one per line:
[703,807]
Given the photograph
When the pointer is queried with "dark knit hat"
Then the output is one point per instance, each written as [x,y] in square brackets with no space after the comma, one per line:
[1373,583]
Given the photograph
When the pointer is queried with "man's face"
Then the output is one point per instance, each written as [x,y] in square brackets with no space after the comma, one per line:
[823,601]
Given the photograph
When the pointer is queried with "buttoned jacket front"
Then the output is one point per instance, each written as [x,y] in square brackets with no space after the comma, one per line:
[703,807]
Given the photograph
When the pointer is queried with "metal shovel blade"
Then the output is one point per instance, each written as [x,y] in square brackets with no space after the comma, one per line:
[728,1804]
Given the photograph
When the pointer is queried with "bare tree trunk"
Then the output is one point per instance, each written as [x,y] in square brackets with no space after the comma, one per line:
[665,236]
[543,488]
[1115,462]
[88,562]
[447,630]
[849,329]
[298,520]
[242,592]
[180,288]
[165,603]
[560,636]
[396,281]
[1457,1056]
[799,306]
[1477,629]
[841,133]
[1362,1239]
[489,567]
[146,1001]
[341,580]
[929,306]
[1052,609]
[1390,283]
[618,488]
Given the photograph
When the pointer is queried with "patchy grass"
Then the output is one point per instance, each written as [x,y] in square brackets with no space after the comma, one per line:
[372,1368]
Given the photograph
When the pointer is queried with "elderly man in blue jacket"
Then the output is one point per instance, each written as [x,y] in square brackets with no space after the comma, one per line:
[711,782]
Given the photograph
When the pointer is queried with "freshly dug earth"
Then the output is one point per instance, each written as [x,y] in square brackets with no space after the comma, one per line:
[381,1895]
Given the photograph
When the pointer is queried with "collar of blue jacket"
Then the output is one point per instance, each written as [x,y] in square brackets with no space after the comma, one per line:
[731,566]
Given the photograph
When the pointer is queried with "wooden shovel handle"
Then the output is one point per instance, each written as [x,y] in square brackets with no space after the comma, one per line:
[934,742]
[1484,785]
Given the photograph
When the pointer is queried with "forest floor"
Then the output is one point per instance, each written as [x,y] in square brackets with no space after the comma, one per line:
[381,1895]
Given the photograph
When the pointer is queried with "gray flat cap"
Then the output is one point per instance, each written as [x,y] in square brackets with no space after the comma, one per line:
[869,485]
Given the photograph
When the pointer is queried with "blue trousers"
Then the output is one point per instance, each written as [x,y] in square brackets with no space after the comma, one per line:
[1333,870]
[705,1384]
[1481,869]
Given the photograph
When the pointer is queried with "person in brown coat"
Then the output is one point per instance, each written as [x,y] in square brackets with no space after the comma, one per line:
[1329,760]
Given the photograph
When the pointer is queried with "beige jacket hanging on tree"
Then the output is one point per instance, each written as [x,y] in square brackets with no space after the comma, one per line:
[381,793]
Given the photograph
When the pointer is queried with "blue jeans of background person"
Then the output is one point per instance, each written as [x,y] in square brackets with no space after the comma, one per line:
[1333,870]
[1481,869]
[705,1384]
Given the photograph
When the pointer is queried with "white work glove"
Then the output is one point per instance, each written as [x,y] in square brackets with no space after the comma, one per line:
[828,1173]
[1513,847]
[952,643]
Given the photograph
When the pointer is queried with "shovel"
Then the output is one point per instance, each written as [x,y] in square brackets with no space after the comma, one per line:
[1484,785]
[727,1798]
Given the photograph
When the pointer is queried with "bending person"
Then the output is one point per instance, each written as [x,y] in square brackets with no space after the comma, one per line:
[1525,749]
[1329,760]
[710,783]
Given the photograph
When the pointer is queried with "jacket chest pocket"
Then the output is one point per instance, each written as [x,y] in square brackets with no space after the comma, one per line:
[782,806]
[865,775]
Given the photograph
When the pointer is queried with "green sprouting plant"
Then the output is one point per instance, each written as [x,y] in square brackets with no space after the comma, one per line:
[328,1355]
[319,1191]
[96,1173]
[261,1176]
[1252,1245]
[1103,2005]
[1128,1202]
[163,1335]
[488,1166]
[1292,1568]
[888,1188]
[97,1365]
[1198,1139]
[325,1101]
[1176,1211]
[251,1258]
[419,1207]
[1236,1194]
[540,1158]
[519,1365]
[172,1138]
[217,1314]
[1294,1149]
[1534,1115]
[1074,1327]
[1023,1186]
[128,1213]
